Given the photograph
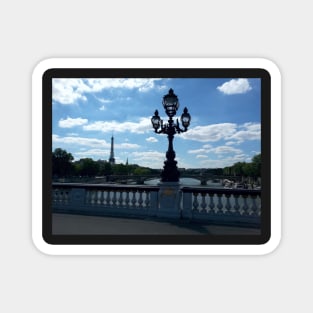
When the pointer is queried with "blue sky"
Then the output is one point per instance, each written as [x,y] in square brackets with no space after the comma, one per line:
[225,120]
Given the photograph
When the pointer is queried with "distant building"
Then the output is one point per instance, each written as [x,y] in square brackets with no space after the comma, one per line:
[112,159]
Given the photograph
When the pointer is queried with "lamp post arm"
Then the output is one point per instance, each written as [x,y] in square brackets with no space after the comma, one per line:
[161,131]
[180,130]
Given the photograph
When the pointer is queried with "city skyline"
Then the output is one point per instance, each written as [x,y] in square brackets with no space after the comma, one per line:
[225,120]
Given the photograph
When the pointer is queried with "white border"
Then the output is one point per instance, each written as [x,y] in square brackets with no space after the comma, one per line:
[156,249]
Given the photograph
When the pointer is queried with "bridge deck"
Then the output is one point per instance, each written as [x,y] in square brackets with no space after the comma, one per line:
[68,224]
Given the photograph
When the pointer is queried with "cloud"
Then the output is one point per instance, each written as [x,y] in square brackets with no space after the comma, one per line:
[216,150]
[233,133]
[231,143]
[142,126]
[225,150]
[71,140]
[126,145]
[72,122]
[221,163]
[152,139]
[248,131]
[196,151]
[235,86]
[72,134]
[153,159]
[142,84]
[93,153]
[69,91]
[102,100]
[91,142]
[210,133]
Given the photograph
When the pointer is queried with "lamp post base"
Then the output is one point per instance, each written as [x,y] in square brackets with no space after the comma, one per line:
[171,175]
[169,198]
[170,171]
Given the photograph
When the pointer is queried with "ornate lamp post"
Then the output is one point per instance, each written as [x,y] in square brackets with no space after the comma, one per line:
[170,102]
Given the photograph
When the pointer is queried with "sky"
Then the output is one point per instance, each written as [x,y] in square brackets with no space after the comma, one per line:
[225,125]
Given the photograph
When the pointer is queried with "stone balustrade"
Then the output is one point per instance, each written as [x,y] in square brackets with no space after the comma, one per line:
[198,204]
[222,205]
[98,199]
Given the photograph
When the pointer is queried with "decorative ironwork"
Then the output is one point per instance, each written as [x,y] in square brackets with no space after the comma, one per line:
[170,103]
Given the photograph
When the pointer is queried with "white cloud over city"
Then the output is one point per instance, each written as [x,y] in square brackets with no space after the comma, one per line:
[143,125]
[72,122]
[68,91]
[235,86]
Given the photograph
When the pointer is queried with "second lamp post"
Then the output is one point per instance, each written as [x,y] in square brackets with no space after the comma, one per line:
[170,103]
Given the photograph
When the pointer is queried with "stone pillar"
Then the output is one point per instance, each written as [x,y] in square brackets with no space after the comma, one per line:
[77,199]
[169,199]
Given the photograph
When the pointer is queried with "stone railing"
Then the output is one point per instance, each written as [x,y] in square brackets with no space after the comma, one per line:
[98,199]
[198,204]
[222,205]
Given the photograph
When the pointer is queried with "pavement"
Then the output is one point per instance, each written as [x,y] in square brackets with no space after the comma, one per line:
[69,224]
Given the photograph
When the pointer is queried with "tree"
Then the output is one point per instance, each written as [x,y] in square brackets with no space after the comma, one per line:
[256,165]
[142,171]
[61,163]
[120,169]
[238,168]
[105,168]
[88,167]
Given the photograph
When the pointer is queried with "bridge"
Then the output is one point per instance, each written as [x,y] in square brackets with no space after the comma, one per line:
[140,179]
[218,205]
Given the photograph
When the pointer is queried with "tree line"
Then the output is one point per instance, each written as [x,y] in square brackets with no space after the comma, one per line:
[63,165]
[245,169]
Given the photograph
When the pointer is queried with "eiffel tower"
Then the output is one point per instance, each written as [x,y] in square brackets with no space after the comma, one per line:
[112,159]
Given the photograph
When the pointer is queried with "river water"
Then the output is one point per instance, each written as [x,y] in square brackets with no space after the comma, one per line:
[186,182]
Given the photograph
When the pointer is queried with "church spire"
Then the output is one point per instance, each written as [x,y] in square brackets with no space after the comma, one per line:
[112,159]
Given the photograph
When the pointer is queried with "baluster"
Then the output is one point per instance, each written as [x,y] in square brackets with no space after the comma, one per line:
[62,196]
[203,203]
[219,204]
[245,206]
[59,196]
[114,198]
[147,200]
[120,199]
[259,207]
[254,207]
[108,198]
[98,197]
[195,203]
[56,196]
[94,197]
[127,199]
[67,197]
[140,201]
[228,205]
[101,198]
[134,200]
[87,197]
[237,206]
[211,205]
